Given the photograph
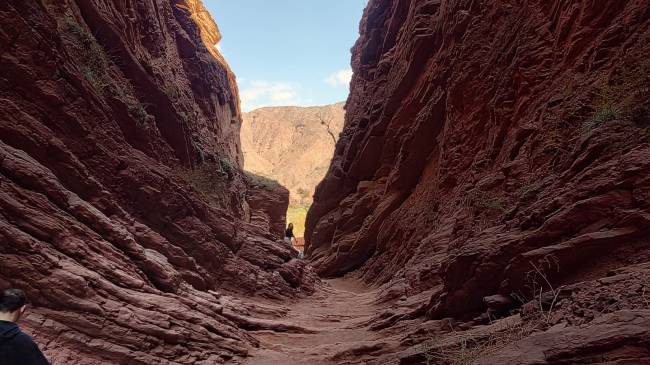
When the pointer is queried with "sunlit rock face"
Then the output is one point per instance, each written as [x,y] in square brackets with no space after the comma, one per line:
[293,145]
[484,137]
[114,118]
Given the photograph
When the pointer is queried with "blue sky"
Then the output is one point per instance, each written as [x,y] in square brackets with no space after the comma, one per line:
[288,52]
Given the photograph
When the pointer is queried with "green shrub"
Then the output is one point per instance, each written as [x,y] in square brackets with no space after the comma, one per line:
[304,195]
[208,179]
[603,115]
[228,167]
[95,66]
[483,200]
[72,28]
[172,92]
[623,96]
[138,112]
[98,81]
[261,181]
[94,62]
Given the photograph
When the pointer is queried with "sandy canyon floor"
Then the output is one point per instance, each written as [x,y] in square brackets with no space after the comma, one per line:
[334,322]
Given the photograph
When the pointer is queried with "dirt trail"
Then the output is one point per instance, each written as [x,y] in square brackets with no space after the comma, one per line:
[336,317]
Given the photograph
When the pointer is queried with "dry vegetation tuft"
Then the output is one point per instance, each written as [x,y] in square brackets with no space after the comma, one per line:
[622,97]
[95,66]
[483,200]
[463,348]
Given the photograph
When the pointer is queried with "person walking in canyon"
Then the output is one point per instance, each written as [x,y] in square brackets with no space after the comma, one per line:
[16,347]
[291,238]
[288,234]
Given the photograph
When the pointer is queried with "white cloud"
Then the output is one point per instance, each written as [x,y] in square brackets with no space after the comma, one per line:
[259,93]
[340,78]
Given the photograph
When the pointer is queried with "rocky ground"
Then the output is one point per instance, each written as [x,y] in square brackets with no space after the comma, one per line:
[329,327]
[344,323]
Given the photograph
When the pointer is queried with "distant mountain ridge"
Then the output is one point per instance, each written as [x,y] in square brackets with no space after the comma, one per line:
[293,145]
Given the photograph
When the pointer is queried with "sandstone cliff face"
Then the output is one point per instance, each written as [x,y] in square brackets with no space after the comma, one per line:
[110,110]
[293,145]
[485,137]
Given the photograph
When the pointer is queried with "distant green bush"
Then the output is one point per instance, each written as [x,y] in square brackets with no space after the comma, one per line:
[261,181]
[303,195]
[297,214]
[228,167]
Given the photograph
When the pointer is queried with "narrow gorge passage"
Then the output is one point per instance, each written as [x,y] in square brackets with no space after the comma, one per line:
[335,322]
[487,201]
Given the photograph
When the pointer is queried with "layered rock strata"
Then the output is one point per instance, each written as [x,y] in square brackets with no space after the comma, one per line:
[114,117]
[491,148]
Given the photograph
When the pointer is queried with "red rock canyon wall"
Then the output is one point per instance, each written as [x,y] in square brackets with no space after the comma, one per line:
[110,111]
[484,137]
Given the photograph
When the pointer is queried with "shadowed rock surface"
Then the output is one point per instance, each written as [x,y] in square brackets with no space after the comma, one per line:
[110,112]
[485,141]
[293,145]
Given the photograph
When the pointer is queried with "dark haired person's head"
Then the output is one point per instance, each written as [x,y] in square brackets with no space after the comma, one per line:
[16,347]
[12,304]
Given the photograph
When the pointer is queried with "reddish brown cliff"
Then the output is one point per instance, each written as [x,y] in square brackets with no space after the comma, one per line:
[484,139]
[123,210]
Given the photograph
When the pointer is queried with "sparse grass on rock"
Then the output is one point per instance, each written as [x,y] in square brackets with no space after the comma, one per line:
[463,348]
[95,66]
[623,97]
[209,179]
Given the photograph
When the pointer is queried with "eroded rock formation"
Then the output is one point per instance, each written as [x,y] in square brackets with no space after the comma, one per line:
[489,145]
[110,112]
[293,145]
